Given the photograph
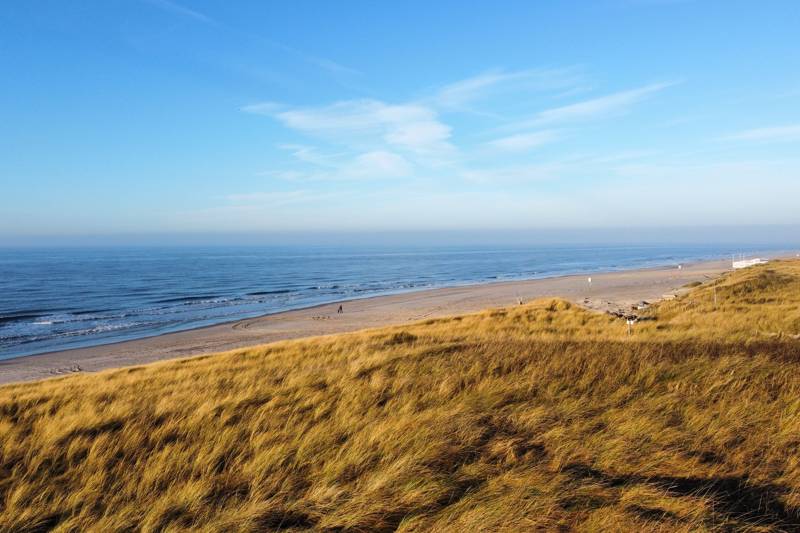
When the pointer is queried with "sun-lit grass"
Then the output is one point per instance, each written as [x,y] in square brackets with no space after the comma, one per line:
[543,416]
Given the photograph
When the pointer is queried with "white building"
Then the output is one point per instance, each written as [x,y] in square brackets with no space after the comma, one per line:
[744,263]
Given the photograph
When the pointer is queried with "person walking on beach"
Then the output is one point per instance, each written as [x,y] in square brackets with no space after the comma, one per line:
[340,310]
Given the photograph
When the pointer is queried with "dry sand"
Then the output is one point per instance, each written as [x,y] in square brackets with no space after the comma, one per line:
[607,291]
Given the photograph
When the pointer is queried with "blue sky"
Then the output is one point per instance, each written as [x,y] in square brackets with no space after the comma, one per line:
[154,116]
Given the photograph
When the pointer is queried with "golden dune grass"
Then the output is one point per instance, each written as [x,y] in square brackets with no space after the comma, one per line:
[543,416]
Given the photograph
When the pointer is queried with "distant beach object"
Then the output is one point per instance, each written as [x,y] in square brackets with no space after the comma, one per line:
[589,280]
[745,263]
[669,296]
[340,310]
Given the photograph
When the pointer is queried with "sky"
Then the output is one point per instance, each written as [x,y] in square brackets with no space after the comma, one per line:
[159,117]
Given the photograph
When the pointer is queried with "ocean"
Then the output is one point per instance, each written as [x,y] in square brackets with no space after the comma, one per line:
[59,298]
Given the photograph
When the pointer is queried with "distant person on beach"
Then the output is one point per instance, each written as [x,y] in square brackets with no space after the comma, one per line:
[340,310]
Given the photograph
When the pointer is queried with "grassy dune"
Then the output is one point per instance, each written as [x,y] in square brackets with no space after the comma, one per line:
[539,416]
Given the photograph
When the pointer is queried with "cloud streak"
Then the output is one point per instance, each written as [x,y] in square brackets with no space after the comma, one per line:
[322,63]
[769,134]
[524,141]
[458,94]
[183,11]
[411,127]
[372,165]
[596,108]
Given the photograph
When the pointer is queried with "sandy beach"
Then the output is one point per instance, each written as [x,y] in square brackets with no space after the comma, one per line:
[607,291]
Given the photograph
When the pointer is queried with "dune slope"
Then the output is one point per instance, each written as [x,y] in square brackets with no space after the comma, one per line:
[538,416]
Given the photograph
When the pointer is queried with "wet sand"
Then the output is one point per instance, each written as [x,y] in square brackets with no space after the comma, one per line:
[607,291]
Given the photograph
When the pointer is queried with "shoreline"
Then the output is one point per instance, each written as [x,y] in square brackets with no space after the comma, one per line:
[321,305]
[609,290]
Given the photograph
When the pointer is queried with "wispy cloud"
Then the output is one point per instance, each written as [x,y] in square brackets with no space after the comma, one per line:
[410,127]
[321,62]
[625,155]
[377,164]
[178,9]
[310,154]
[524,141]
[272,198]
[604,106]
[263,108]
[458,94]
[330,65]
[518,174]
[375,139]
[640,3]
[372,165]
[770,134]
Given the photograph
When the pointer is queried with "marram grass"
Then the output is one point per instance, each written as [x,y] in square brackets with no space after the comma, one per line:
[538,417]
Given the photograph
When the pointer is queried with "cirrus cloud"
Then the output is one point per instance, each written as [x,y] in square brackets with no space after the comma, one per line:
[524,141]
[411,127]
[774,133]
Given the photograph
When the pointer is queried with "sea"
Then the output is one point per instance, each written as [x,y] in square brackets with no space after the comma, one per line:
[60,298]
